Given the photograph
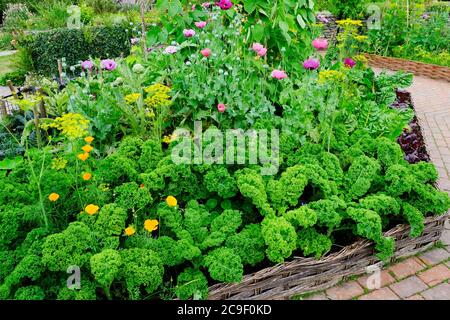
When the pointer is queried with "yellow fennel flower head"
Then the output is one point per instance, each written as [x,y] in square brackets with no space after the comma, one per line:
[349,22]
[87,176]
[91,209]
[166,139]
[71,125]
[59,164]
[360,38]
[83,156]
[132,98]
[361,58]
[158,95]
[53,197]
[130,231]
[87,148]
[330,76]
[151,225]
[89,139]
[171,201]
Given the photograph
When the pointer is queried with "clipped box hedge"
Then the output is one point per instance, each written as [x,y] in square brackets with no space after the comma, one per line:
[45,48]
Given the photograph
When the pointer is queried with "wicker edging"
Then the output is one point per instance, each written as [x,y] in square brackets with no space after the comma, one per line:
[303,275]
[417,68]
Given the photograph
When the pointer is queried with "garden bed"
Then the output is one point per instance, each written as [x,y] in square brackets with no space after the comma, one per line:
[417,68]
[303,275]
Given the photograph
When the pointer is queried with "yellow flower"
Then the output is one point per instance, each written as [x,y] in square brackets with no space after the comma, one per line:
[151,225]
[166,139]
[361,38]
[89,139]
[59,164]
[171,201]
[158,95]
[132,98]
[83,156]
[53,197]
[91,209]
[87,148]
[330,76]
[349,22]
[87,176]
[72,125]
[130,231]
[361,58]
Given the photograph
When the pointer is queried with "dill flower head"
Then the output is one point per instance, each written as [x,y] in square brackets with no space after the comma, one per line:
[158,95]
[327,76]
[349,22]
[59,164]
[71,125]
[132,98]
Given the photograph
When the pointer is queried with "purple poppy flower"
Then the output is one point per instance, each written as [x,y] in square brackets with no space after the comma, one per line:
[188,33]
[225,4]
[109,64]
[311,64]
[349,62]
[87,65]
[171,50]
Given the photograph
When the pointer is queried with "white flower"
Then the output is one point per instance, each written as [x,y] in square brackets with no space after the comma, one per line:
[72,68]
[188,63]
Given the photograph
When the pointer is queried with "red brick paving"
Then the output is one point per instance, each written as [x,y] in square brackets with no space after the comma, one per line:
[380,294]
[345,291]
[408,287]
[435,275]
[406,268]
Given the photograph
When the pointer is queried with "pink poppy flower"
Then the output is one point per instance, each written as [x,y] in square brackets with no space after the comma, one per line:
[262,52]
[206,52]
[200,24]
[188,33]
[225,4]
[87,65]
[206,4]
[320,44]
[193,7]
[349,62]
[171,49]
[257,46]
[278,74]
[109,64]
[311,64]
[221,107]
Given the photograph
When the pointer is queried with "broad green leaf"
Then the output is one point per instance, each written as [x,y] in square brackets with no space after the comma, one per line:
[9,164]
[258,32]
[301,22]
[249,5]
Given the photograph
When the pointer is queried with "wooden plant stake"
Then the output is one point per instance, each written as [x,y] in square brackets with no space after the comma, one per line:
[60,71]
[11,87]
[3,113]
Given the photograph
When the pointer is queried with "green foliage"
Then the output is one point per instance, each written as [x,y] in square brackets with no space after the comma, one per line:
[72,247]
[312,242]
[29,293]
[329,212]
[248,244]
[191,283]
[105,267]
[17,78]
[87,291]
[132,197]
[280,238]
[219,180]
[224,265]
[141,267]
[252,186]
[74,45]
[360,176]
[302,217]
[415,219]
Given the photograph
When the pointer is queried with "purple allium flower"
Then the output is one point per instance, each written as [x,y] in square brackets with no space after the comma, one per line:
[349,62]
[322,18]
[188,33]
[425,16]
[87,65]
[311,64]
[171,49]
[225,4]
[109,64]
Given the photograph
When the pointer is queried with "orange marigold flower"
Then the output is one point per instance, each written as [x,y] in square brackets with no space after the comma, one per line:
[130,231]
[151,225]
[89,139]
[87,176]
[53,197]
[83,156]
[171,201]
[87,148]
[91,209]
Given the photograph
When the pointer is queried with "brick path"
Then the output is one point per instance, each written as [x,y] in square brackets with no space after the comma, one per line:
[427,275]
